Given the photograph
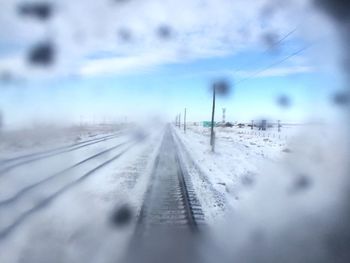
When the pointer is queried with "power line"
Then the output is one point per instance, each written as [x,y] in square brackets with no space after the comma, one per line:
[272,65]
[278,42]
[281,39]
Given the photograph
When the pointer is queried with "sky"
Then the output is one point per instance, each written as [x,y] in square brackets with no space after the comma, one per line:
[119,60]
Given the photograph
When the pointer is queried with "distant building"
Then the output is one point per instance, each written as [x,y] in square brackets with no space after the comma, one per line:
[207,124]
[262,125]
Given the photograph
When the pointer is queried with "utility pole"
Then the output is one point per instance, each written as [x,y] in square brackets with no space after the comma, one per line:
[212,120]
[221,88]
[185,121]
[279,125]
[223,116]
[180,121]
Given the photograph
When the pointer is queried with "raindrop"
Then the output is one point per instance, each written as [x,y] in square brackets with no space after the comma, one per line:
[125,35]
[122,216]
[42,54]
[222,87]
[339,9]
[267,11]
[139,135]
[284,101]
[341,98]
[247,180]
[301,183]
[287,150]
[164,32]
[270,40]
[6,76]
[121,1]
[42,11]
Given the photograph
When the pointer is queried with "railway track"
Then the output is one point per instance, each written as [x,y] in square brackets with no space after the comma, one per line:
[171,216]
[29,200]
[8,164]
[170,200]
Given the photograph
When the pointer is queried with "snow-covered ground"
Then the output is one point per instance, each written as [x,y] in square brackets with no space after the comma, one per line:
[239,155]
[275,194]
[69,218]
[40,138]
[259,189]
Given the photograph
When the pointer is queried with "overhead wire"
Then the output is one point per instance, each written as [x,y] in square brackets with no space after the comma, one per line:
[254,74]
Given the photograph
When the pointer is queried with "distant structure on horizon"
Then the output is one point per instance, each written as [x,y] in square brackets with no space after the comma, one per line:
[223,115]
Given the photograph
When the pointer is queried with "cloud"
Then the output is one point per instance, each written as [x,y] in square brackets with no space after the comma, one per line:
[276,72]
[11,63]
[120,65]
[199,28]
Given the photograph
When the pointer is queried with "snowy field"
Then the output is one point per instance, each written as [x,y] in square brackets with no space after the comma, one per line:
[258,189]
[239,155]
[40,138]
[274,192]
[53,210]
